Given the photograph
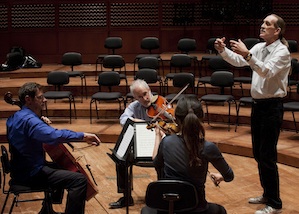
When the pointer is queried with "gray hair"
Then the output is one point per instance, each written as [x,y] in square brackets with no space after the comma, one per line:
[139,83]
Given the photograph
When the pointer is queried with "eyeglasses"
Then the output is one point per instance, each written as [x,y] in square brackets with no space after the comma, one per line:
[40,97]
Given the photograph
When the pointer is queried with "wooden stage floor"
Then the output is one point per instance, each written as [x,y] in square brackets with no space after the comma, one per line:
[236,147]
[233,196]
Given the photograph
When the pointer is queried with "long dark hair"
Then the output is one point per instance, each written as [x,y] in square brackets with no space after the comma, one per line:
[189,115]
[282,25]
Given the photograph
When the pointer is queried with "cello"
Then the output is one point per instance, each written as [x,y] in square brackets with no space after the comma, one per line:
[61,155]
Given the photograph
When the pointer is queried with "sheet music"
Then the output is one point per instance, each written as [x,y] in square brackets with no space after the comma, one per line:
[144,141]
[125,142]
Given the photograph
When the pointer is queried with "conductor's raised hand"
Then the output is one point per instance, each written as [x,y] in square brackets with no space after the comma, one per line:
[92,139]
[239,47]
[219,44]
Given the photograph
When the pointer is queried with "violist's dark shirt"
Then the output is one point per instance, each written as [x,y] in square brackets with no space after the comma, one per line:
[174,157]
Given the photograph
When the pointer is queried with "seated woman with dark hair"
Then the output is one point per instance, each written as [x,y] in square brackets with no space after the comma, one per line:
[186,155]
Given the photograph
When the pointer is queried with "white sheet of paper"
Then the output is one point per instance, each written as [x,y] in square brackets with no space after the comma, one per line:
[144,141]
[125,142]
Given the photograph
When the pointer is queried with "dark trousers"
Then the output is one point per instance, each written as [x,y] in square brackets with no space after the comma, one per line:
[121,173]
[74,182]
[266,120]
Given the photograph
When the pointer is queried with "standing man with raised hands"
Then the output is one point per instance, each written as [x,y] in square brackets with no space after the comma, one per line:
[270,62]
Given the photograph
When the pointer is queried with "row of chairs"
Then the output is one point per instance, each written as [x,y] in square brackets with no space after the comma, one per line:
[150,61]
[221,79]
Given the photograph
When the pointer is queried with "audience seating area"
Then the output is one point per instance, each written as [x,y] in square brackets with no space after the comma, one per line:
[109,110]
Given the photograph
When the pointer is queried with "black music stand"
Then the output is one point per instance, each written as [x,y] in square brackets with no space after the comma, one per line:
[134,144]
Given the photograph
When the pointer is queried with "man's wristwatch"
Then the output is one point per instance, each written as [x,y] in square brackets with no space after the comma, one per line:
[248,57]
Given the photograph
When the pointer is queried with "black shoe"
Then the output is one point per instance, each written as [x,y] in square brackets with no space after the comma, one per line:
[121,203]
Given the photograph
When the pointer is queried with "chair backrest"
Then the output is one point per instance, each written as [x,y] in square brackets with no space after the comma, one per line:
[186,45]
[150,43]
[113,43]
[218,64]
[180,61]
[147,74]
[222,79]
[293,46]
[109,78]
[250,42]
[295,69]
[113,61]
[171,196]
[210,45]
[5,168]
[5,160]
[58,78]
[148,62]
[72,59]
[180,80]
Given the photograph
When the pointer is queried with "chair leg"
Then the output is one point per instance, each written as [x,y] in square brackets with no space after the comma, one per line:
[207,112]
[13,203]
[134,64]
[47,204]
[90,110]
[228,116]
[237,116]
[82,89]
[5,202]
[294,121]
[97,108]
[70,103]
[74,104]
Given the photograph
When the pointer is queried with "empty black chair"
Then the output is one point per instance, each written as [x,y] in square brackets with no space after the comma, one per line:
[179,81]
[244,79]
[151,62]
[16,189]
[212,52]
[221,79]
[293,45]
[187,45]
[73,59]
[111,44]
[250,42]
[116,63]
[150,76]
[170,196]
[107,79]
[243,101]
[150,44]
[216,63]
[293,77]
[178,63]
[58,79]
[292,106]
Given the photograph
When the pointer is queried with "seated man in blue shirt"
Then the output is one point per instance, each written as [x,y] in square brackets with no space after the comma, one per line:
[26,133]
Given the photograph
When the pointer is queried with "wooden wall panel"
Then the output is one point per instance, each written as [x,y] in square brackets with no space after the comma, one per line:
[47,29]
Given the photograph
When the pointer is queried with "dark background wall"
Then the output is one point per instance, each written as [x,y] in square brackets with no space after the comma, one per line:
[48,28]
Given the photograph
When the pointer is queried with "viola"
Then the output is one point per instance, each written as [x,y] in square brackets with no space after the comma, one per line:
[167,128]
[160,108]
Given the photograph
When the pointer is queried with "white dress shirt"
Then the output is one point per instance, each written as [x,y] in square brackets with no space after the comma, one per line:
[134,110]
[269,77]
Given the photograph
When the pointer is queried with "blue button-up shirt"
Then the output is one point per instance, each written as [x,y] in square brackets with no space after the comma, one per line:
[26,134]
